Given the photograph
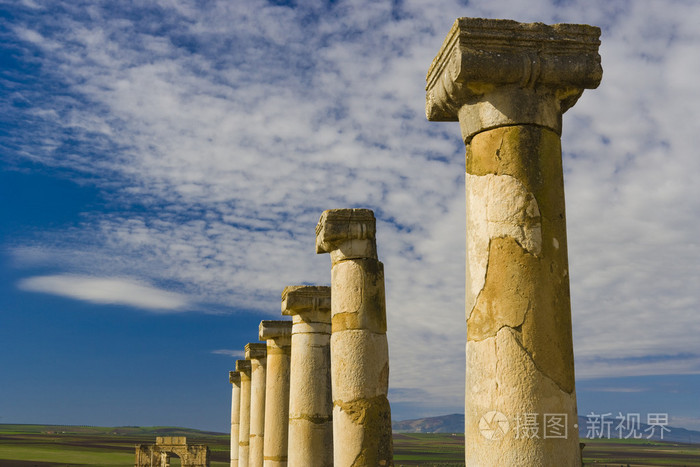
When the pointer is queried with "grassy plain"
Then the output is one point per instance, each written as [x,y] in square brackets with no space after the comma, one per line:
[53,446]
[412,449]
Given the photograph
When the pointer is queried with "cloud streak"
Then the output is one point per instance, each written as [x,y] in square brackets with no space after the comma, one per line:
[239,354]
[107,291]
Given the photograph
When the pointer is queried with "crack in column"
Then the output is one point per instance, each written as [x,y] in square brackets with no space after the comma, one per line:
[537,367]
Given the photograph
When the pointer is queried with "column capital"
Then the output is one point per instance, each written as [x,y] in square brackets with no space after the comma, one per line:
[243,366]
[255,351]
[298,299]
[270,329]
[347,234]
[505,72]
[234,377]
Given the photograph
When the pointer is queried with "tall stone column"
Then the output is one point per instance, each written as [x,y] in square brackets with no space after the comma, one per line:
[257,354]
[234,378]
[278,335]
[310,400]
[508,84]
[243,369]
[359,350]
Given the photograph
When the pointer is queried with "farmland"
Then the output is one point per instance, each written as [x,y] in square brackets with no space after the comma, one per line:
[52,446]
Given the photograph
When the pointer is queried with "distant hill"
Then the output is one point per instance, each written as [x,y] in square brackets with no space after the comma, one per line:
[149,431]
[454,423]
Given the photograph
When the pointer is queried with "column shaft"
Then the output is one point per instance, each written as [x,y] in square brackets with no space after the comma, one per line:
[519,345]
[235,380]
[508,84]
[310,401]
[359,349]
[243,367]
[256,352]
[279,346]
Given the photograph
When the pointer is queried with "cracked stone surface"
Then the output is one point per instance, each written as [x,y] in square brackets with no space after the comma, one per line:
[502,376]
[518,245]
[497,206]
[519,343]
[359,349]
[508,84]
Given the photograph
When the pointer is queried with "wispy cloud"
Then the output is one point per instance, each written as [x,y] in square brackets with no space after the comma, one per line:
[690,423]
[107,291]
[239,354]
[220,134]
[617,389]
[657,364]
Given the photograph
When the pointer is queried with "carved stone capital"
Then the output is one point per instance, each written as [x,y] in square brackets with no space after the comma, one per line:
[306,299]
[274,329]
[234,377]
[347,234]
[255,351]
[493,72]
[243,366]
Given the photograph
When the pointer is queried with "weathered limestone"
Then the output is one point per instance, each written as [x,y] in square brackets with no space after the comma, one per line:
[278,335]
[359,350]
[234,378]
[508,84]
[243,368]
[257,353]
[310,400]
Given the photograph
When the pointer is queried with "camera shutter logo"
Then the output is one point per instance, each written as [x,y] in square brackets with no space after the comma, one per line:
[493,425]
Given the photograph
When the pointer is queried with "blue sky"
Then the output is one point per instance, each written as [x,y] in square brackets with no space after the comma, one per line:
[164,165]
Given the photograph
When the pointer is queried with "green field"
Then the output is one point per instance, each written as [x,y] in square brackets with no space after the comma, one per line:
[428,449]
[448,450]
[51,446]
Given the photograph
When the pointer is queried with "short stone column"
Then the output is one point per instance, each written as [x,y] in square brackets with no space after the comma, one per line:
[310,400]
[256,353]
[359,350]
[234,378]
[508,84]
[278,335]
[243,369]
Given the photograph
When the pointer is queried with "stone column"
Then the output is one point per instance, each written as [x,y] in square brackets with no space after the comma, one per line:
[243,369]
[508,84]
[256,353]
[359,350]
[310,400]
[278,335]
[234,378]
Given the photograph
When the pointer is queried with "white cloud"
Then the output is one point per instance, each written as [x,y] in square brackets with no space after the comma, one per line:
[689,423]
[221,134]
[621,389]
[598,367]
[239,354]
[107,291]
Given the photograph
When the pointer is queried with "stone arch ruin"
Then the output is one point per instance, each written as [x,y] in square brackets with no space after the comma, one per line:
[159,454]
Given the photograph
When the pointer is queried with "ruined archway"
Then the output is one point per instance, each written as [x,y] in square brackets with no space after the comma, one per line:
[159,454]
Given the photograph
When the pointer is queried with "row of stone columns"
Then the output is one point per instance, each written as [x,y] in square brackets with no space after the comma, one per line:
[315,393]
[507,84]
